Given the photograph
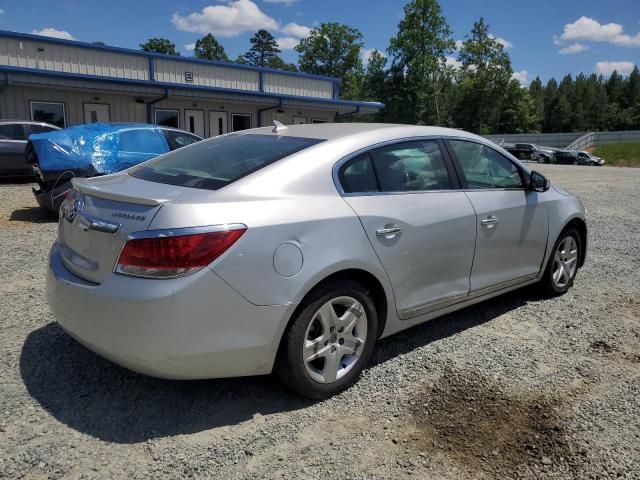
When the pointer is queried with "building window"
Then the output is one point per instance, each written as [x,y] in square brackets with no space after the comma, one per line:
[240,121]
[318,120]
[168,118]
[49,112]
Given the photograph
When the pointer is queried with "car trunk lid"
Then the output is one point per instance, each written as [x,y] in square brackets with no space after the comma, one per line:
[103,211]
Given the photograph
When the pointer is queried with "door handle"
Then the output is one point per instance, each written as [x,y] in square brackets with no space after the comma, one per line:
[389,231]
[490,221]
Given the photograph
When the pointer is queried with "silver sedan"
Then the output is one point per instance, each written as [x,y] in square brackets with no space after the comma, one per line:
[293,249]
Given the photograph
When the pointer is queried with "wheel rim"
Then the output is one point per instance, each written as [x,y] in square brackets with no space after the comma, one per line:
[565,262]
[334,339]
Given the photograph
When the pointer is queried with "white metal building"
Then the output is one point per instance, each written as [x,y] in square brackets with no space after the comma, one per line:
[68,82]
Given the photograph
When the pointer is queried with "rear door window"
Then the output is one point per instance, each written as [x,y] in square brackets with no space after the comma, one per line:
[12,131]
[357,175]
[219,161]
[411,167]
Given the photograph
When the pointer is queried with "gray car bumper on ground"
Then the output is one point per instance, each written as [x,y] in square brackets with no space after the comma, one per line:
[163,328]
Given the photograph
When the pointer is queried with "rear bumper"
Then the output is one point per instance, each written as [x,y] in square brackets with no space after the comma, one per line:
[187,328]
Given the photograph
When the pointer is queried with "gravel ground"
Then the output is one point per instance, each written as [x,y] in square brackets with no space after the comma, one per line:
[516,387]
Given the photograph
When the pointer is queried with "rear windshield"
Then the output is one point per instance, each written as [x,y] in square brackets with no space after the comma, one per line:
[214,163]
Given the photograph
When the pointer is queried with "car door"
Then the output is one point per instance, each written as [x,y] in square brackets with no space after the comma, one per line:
[512,225]
[13,141]
[421,228]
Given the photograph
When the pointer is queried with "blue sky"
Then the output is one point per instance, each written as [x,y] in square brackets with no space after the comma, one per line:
[544,37]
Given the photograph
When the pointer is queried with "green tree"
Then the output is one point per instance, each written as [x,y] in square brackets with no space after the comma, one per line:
[536,91]
[279,64]
[263,48]
[332,49]
[208,48]
[375,77]
[484,79]
[418,54]
[159,45]
[519,112]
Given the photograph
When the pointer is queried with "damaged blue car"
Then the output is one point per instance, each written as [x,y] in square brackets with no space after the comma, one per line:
[96,149]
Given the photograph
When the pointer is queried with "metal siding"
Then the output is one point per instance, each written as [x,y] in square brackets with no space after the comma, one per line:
[68,59]
[286,117]
[206,75]
[299,87]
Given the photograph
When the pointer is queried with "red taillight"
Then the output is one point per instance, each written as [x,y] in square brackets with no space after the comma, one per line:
[174,256]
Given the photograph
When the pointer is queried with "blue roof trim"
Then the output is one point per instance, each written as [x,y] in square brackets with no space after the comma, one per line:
[142,53]
[178,86]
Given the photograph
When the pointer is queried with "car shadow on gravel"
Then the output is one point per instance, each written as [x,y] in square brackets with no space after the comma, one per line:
[101,399]
[32,215]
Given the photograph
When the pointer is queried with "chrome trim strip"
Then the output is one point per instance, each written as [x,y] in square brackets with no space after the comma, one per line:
[345,159]
[87,222]
[500,286]
[174,232]
[430,307]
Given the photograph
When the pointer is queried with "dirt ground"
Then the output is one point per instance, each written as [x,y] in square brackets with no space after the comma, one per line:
[520,386]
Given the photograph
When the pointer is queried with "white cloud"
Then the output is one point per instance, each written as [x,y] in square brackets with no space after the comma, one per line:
[287,3]
[607,68]
[505,43]
[573,48]
[287,43]
[588,29]
[236,17]
[365,55]
[52,32]
[452,62]
[522,76]
[459,44]
[230,20]
[190,46]
[294,30]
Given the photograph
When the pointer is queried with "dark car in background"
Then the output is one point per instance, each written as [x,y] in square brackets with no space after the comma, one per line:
[13,141]
[93,150]
[566,157]
[530,151]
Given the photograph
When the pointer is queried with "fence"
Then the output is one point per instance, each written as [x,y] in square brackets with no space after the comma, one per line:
[571,141]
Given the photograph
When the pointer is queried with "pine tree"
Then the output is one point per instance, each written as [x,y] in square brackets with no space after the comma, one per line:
[159,45]
[208,48]
[483,80]
[263,48]
[418,53]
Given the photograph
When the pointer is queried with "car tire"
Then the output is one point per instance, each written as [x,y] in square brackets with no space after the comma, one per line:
[563,263]
[321,354]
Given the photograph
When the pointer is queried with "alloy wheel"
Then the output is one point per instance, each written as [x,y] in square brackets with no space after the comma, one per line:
[565,262]
[334,339]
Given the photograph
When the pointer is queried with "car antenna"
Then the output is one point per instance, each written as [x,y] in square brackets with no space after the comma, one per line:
[279,127]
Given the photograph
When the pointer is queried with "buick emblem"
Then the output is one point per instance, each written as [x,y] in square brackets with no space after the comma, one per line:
[76,206]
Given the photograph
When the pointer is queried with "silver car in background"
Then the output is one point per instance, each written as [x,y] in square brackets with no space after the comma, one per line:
[294,249]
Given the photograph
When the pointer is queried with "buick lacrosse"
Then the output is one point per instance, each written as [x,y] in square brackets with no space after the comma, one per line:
[294,249]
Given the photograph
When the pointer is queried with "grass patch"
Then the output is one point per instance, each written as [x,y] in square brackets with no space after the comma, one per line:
[620,154]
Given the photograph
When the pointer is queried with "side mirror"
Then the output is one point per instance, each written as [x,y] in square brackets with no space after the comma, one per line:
[538,182]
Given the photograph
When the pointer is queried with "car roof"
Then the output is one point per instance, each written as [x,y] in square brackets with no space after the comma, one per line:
[330,131]
[5,121]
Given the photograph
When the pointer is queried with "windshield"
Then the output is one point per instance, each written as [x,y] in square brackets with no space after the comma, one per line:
[214,163]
